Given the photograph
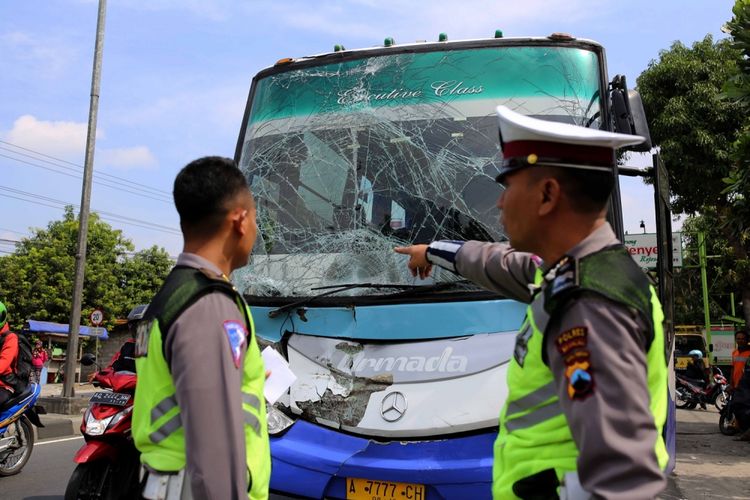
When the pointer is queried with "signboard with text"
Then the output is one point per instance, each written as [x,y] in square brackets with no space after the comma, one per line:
[722,339]
[643,249]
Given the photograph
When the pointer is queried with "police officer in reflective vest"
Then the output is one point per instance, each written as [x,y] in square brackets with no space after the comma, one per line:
[587,385]
[199,419]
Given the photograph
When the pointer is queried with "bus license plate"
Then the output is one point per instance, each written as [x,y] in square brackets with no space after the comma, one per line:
[110,398]
[368,489]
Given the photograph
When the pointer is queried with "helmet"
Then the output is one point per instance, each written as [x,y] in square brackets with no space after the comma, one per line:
[137,313]
[3,315]
[696,353]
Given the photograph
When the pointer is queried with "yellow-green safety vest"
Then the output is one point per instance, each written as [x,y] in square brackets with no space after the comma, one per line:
[157,424]
[534,434]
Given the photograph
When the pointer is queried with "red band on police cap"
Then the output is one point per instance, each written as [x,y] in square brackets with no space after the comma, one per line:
[565,153]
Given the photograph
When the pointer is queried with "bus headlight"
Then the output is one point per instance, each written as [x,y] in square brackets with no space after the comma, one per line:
[277,420]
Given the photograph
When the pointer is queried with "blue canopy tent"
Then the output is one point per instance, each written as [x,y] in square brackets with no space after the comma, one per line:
[55,336]
[38,327]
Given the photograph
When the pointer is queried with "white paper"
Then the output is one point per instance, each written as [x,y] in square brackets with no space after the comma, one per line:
[281,378]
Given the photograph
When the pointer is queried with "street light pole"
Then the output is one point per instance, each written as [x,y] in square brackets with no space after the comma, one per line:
[75,310]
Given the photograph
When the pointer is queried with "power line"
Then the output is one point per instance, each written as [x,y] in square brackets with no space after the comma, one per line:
[54,203]
[80,167]
[29,241]
[101,182]
[13,231]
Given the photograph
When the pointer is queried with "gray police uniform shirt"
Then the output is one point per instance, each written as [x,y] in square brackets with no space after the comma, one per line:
[208,390]
[612,425]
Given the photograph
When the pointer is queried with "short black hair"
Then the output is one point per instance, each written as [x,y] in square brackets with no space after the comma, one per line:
[743,332]
[587,190]
[203,189]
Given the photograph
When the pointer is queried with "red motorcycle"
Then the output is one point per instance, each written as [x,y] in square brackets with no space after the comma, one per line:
[689,393]
[108,463]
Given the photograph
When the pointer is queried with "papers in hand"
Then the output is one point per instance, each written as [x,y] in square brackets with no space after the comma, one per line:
[281,378]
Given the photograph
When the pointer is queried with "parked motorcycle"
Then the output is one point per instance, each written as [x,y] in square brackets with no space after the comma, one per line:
[16,435]
[689,394]
[727,420]
[108,463]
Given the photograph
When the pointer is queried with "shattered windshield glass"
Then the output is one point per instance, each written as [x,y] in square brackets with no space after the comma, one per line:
[349,159]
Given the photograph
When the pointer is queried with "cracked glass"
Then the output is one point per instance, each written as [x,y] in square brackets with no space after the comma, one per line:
[350,159]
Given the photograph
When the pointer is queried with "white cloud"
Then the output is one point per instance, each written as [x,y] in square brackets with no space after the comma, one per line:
[127,158]
[67,141]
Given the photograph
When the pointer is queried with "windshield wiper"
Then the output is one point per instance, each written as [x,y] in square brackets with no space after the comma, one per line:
[335,289]
[437,287]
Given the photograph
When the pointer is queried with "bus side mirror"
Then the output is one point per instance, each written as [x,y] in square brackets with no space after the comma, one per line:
[710,348]
[628,114]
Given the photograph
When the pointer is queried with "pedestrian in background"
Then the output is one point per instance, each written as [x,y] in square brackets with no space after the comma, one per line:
[740,356]
[199,419]
[39,357]
[587,385]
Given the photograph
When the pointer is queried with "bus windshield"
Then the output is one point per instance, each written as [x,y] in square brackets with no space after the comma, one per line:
[348,159]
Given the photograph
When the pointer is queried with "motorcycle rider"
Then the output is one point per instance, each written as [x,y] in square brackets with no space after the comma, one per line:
[696,371]
[124,359]
[8,355]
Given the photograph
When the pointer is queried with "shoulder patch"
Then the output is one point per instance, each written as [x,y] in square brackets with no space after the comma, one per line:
[571,339]
[571,344]
[580,380]
[237,336]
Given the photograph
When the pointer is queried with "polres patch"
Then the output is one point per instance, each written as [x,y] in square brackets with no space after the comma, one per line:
[237,336]
[569,340]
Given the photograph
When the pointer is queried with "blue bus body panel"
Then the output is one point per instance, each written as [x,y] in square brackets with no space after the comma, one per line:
[315,461]
[423,321]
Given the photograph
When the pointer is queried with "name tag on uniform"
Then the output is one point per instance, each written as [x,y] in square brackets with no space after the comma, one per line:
[142,336]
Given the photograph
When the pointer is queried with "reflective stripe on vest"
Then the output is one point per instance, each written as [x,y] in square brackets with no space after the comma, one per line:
[740,359]
[250,418]
[539,415]
[532,399]
[171,425]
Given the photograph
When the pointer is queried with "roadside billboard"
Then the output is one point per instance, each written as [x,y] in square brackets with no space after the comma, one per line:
[643,249]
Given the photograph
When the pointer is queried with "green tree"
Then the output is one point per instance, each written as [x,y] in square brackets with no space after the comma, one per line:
[37,279]
[697,128]
[738,180]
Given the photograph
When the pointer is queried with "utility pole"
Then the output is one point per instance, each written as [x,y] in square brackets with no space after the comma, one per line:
[83,225]
[703,260]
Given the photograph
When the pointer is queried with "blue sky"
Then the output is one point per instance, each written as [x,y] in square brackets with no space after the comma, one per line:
[176,74]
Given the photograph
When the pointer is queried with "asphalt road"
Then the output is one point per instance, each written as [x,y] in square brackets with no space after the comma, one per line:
[47,472]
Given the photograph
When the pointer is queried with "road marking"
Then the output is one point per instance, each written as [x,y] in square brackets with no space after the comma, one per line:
[58,440]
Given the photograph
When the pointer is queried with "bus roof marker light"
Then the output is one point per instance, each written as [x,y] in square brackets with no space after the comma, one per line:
[561,37]
[338,48]
[389,42]
[443,37]
[498,33]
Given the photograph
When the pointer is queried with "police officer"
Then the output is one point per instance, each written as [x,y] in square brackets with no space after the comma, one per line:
[587,386]
[199,419]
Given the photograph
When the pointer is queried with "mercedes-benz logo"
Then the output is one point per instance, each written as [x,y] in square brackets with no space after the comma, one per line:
[393,406]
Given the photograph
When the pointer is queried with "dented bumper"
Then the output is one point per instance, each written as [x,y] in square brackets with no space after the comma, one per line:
[314,461]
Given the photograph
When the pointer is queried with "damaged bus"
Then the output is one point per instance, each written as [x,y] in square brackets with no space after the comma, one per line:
[400,381]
